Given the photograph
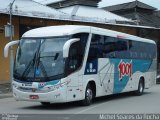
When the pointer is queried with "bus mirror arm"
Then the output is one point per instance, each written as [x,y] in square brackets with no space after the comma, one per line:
[67,46]
[6,48]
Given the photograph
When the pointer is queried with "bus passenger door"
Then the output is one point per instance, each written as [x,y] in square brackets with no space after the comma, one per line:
[73,65]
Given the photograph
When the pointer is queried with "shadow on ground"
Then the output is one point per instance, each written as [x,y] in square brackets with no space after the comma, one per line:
[71,105]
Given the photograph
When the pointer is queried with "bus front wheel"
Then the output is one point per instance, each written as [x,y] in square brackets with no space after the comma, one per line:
[88,96]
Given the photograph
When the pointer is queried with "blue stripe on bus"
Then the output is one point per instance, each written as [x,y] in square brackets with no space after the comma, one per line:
[40,84]
[119,84]
[137,66]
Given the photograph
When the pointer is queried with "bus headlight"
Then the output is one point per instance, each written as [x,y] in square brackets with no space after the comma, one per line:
[58,86]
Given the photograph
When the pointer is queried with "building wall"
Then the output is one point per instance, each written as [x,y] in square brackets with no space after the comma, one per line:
[4,63]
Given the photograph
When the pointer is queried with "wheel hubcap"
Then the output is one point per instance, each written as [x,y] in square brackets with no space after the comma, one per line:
[141,88]
[89,95]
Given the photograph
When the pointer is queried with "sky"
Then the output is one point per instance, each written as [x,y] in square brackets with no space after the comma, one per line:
[104,3]
[154,3]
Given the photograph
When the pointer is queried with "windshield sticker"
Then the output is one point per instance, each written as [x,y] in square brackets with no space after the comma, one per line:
[38,72]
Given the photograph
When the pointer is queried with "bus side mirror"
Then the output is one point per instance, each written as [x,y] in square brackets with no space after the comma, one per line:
[67,45]
[6,48]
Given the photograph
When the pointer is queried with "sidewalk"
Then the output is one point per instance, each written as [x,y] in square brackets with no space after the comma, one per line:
[5,89]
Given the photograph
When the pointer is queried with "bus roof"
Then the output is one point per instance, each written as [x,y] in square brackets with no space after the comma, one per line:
[64,30]
[52,31]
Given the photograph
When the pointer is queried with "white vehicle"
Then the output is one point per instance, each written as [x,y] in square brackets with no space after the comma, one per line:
[77,63]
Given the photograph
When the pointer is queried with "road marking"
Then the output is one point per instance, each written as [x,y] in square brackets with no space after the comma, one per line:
[42,117]
[82,111]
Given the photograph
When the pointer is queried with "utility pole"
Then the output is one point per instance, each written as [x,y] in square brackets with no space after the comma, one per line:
[11,48]
[136,15]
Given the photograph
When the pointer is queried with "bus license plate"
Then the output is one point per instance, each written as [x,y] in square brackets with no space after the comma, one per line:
[34,97]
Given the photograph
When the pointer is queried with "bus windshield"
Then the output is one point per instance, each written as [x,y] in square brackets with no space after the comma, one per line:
[40,59]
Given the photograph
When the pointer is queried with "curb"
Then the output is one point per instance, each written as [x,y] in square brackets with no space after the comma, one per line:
[7,95]
[4,82]
[5,90]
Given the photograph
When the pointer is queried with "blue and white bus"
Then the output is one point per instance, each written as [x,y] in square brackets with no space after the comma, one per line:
[78,63]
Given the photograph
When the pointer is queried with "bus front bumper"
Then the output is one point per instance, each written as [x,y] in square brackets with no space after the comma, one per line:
[57,96]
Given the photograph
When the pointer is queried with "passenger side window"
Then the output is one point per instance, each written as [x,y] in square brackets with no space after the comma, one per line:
[96,47]
[115,48]
[141,50]
[109,49]
[122,49]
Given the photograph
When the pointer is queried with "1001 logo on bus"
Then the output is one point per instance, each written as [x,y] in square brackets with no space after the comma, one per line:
[125,69]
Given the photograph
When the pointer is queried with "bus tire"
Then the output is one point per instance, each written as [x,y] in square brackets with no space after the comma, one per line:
[88,96]
[140,90]
[45,103]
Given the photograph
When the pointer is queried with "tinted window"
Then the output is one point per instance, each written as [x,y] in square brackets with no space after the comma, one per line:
[76,53]
[141,50]
[112,47]
[83,41]
[115,48]
[96,47]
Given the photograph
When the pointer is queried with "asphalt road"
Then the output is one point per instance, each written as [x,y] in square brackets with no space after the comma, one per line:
[128,103]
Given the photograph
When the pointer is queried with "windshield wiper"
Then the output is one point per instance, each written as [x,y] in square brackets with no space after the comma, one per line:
[39,63]
[29,66]
[43,70]
[31,63]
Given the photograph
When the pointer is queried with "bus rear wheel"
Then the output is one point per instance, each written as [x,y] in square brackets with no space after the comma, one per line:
[140,90]
[88,96]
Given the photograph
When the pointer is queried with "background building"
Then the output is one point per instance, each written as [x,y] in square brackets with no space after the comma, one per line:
[141,13]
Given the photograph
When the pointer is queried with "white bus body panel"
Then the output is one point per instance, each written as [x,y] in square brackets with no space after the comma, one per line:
[75,84]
